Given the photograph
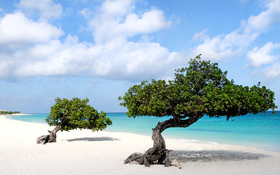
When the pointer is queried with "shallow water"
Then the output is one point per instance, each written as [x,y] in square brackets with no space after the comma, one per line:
[260,130]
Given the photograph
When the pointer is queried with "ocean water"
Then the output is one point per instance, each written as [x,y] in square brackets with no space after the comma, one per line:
[261,130]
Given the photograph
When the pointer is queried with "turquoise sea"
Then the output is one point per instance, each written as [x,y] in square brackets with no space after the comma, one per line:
[260,130]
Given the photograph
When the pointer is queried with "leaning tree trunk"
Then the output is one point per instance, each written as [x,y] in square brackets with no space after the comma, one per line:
[158,153]
[50,137]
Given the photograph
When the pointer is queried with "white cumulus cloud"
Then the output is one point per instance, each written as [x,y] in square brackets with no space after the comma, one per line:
[267,17]
[272,71]
[121,21]
[17,31]
[226,45]
[115,60]
[112,56]
[46,8]
[115,8]
[263,55]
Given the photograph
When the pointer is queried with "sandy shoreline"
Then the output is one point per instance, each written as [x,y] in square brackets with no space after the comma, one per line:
[86,152]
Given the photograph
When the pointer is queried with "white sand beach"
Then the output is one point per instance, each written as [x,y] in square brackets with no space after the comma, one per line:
[85,152]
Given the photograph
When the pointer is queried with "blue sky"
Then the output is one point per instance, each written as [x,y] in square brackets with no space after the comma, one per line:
[99,48]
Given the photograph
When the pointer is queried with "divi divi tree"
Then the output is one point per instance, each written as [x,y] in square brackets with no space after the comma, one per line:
[72,114]
[200,89]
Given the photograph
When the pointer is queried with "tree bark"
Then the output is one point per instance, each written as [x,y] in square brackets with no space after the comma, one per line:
[158,153]
[50,137]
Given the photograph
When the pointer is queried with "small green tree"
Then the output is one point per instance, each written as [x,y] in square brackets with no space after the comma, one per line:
[197,90]
[72,114]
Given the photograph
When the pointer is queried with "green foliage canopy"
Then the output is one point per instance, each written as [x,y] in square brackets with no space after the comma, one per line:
[201,88]
[76,114]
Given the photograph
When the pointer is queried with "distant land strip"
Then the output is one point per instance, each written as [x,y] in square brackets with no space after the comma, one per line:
[2,111]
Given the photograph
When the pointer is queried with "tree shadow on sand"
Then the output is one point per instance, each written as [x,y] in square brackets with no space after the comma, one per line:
[213,156]
[93,139]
